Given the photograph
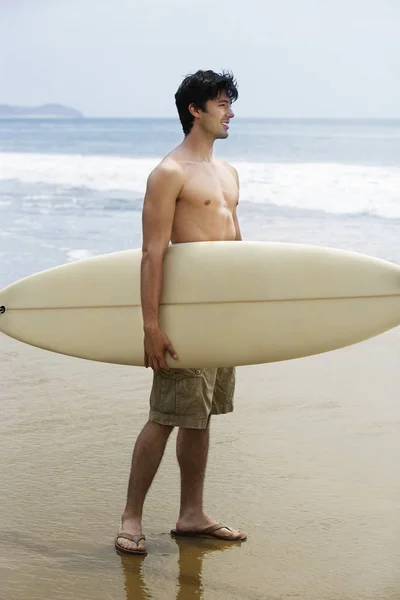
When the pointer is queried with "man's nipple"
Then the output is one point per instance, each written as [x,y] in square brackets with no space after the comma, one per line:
[207,202]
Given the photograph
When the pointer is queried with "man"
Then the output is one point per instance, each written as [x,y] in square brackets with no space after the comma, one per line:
[190,197]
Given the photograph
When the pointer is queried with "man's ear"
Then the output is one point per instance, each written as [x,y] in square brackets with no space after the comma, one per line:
[194,111]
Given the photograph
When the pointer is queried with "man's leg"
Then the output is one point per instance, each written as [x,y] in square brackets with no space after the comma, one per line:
[192,451]
[147,455]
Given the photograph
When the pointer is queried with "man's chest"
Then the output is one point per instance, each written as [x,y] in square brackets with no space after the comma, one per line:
[207,188]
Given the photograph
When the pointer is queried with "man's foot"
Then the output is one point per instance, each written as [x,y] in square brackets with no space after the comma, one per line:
[130,539]
[205,527]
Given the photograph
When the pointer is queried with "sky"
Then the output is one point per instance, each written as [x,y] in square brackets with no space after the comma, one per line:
[126,58]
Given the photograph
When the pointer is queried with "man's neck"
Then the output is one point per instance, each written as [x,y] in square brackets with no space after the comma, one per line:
[199,146]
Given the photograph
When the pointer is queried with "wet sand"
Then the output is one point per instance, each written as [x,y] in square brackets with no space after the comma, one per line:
[307,465]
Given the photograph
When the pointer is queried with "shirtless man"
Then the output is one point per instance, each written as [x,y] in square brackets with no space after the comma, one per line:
[190,197]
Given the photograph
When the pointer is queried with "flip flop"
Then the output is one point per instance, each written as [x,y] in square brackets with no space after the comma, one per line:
[132,538]
[209,533]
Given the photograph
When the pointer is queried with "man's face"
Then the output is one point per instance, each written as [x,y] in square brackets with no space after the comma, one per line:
[215,119]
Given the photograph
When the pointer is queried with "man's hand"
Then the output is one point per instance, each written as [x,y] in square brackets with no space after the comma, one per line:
[156,343]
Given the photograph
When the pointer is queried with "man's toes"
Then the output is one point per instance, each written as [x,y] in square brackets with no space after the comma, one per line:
[124,543]
[128,545]
[226,533]
[140,547]
[233,534]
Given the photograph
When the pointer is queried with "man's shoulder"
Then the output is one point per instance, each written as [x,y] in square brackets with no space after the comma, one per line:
[225,165]
[167,168]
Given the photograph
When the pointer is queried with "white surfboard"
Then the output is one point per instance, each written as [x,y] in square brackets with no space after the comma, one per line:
[223,304]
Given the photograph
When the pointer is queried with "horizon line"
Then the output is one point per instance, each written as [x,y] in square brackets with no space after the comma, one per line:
[171,118]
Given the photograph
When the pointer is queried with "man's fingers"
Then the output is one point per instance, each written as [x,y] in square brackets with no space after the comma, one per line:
[171,350]
[162,362]
[155,358]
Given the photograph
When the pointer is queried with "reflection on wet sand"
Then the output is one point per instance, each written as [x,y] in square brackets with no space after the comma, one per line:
[135,586]
[189,584]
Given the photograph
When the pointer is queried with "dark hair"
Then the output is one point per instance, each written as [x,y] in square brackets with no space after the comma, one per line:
[200,87]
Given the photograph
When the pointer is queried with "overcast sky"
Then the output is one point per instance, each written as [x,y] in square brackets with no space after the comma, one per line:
[292,58]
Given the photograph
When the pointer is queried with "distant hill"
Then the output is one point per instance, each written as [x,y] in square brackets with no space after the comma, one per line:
[47,111]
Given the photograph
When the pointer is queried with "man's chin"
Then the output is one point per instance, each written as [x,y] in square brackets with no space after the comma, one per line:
[222,135]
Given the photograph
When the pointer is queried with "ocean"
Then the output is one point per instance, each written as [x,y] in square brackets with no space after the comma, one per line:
[70,189]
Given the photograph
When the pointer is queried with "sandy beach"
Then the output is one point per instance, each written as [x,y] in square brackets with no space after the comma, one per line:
[307,465]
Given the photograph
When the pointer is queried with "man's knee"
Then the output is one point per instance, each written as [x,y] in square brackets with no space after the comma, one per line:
[161,428]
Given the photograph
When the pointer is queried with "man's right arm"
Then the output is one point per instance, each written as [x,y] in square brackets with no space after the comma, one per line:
[163,188]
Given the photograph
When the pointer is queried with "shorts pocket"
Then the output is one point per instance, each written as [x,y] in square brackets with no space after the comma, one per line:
[163,393]
[190,390]
[178,392]
[225,384]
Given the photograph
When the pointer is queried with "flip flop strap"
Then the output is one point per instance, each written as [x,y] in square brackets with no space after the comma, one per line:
[214,528]
[132,538]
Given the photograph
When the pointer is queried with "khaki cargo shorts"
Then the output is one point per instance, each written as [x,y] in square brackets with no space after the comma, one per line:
[187,397]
